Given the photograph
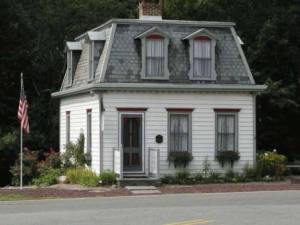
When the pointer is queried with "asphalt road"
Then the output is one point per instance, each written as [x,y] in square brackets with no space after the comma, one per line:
[256,208]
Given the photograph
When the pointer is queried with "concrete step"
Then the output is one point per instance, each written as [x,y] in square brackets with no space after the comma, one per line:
[139,182]
[143,190]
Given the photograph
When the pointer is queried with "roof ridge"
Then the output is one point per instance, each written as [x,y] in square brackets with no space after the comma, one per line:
[175,22]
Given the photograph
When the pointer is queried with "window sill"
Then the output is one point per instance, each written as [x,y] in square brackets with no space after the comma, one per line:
[203,78]
[154,78]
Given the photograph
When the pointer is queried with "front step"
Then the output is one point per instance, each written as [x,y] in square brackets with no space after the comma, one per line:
[143,190]
[142,181]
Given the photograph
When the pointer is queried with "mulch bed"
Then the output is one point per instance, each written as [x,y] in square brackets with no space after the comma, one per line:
[37,193]
[220,188]
[60,193]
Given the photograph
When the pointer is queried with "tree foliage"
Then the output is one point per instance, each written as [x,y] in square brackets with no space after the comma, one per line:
[33,35]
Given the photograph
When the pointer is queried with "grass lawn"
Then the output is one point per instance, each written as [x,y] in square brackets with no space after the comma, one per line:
[18,197]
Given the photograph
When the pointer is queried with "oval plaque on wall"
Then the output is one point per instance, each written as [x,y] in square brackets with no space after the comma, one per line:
[159,139]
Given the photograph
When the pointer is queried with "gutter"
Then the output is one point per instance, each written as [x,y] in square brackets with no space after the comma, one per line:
[160,87]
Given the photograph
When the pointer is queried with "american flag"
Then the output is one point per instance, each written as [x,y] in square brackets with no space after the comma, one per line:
[23,109]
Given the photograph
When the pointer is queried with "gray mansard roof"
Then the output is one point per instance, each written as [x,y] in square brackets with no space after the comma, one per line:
[121,62]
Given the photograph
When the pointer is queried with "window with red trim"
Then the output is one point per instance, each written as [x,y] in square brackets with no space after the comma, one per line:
[226,130]
[155,56]
[202,50]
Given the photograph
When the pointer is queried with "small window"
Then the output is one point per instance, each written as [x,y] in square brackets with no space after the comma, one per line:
[89,131]
[202,57]
[202,46]
[179,132]
[226,132]
[95,53]
[72,62]
[69,67]
[68,127]
[155,56]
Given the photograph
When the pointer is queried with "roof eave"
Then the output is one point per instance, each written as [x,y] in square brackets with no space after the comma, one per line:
[160,87]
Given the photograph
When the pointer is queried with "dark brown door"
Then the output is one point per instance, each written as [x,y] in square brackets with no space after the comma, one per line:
[132,143]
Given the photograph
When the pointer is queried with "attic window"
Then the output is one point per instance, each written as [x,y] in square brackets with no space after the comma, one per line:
[73,54]
[154,54]
[202,55]
[96,44]
[95,53]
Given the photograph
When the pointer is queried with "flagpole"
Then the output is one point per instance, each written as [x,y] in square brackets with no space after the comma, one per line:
[21,146]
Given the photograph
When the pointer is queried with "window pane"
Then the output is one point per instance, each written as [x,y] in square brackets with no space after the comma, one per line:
[226,133]
[67,127]
[202,67]
[202,49]
[179,132]
[155,57]
[97,53]
[202,58]
[89,131]
[69,66]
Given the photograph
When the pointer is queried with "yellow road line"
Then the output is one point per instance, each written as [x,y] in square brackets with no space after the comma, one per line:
[191,222]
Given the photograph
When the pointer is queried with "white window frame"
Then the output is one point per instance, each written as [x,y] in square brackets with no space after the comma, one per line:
[189,114]
[68,127]
[143,37]
[236,127]
[69,68]
[70,47]
[89,131]
[191,38]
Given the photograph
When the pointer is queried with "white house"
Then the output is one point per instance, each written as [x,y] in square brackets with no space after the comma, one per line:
[141,88]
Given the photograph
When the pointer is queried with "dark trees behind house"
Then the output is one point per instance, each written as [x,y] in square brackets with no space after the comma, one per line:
[33,34]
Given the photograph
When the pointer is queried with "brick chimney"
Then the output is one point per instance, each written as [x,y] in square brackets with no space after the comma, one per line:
[150,9]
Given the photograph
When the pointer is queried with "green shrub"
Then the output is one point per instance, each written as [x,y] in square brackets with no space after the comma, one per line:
[74,154]
[214,177]
[206,171]
[30,161]
[199,178]
[82,176]
[47,178]
[271,164]
[51,160]
[182,176]
[230,176]
[168,179]
[108,177]
[250,173]
[180,159]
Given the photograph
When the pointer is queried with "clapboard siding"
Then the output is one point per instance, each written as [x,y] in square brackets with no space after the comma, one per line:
[77,105]
[203,123]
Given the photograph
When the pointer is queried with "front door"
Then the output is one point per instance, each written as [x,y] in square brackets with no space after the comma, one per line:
[132,142]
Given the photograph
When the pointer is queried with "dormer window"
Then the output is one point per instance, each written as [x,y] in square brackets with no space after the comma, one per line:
[73,54]
[202,55]
[154,54]
[97,41]
[95,53]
